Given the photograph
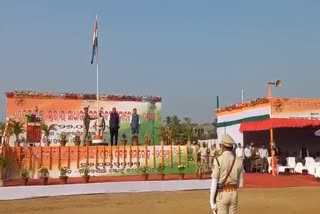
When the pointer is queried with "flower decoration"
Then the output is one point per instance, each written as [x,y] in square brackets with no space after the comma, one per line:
[47,95]
[249,103]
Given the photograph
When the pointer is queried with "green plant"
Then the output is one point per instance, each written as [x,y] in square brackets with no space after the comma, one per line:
[160,168]
[77,137]
[147,136]
[124,136]
[47,129]
[43,172]
[85,170]
[17,128]
[63,136]
[144,170]
[63,171]
[181,167]
[24,173]
[199,169]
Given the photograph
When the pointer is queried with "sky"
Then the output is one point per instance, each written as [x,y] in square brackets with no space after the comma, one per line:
[187,52]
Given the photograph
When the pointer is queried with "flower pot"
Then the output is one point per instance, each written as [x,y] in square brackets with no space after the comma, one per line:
[17,143]
[147,142]
[63,179]
[86,178]
[47,143]
[44,180]
[88,143]
[135,143]
[25,181]
[161,177]
[181,176]
[124,142]
[63,142]
[77,142]
[145,177]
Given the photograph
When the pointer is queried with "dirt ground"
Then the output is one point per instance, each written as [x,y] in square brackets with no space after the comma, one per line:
[263,201]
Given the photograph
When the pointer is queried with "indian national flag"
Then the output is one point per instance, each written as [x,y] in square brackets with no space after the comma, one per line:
[95,41]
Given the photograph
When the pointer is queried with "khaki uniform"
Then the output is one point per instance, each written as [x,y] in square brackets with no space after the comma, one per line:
[204,156]
[213,154]
[227,197]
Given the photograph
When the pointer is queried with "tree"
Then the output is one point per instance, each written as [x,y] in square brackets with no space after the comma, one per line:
[17,128]
[46,131]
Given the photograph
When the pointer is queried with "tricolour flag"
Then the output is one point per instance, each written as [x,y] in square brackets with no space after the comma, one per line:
[95,41]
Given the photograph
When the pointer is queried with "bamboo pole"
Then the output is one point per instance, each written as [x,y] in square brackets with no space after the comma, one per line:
[138,156]
[69,161]
[146,155]
[50,158]
[87,151]
[162,155]
[96,163]
[78,157]
[104,157]
[154,156]
[40,156]
[111,157]
[59,157]
[179,158]
[118,155]
[187,156]
[130,155]
[171,157]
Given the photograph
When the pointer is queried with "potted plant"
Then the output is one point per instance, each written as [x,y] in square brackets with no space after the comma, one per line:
[147,139]
[199,171]
[63,138]
[181,169]
[160,169]
[24,174]
[77,139]
[89,140]
[3,166]
[63,175]
[124,139]
[85,171]
[46,131]
[44,174]
[17,128]
[144,172]
[135,140]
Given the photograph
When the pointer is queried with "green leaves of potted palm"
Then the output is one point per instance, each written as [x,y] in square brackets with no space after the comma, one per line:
[77,139]
[124,139]
[44,175]
[147,139]
[181,169]
[3,166]
[17,128]
[160,168]
[85,171]
[63,138]
[46,131]
[63,175]
[24,174]
[144,172]
[135,140]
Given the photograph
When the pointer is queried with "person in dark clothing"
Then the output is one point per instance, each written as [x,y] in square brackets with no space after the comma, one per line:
[114,125]
[135,122]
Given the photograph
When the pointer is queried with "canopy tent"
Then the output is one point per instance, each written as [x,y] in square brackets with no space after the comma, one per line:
[277,123]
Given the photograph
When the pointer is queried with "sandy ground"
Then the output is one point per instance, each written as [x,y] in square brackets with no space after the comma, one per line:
[251,201]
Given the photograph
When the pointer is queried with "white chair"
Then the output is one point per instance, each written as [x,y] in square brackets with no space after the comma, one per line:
[317,171]
[310,165]
[299,168]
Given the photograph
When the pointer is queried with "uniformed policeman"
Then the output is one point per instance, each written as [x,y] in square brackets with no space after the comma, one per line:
[227,177]
[213,154]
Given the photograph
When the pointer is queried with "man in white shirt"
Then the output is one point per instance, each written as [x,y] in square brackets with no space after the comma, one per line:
[264,154]
[239,152]
[247,158]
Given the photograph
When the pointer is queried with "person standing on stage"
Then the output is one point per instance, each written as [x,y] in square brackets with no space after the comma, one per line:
[114,125]
[86,124]
[135,122]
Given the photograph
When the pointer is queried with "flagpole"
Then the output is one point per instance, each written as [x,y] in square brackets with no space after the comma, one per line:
[97,73]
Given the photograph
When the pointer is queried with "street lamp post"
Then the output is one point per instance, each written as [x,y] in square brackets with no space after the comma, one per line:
[270,84]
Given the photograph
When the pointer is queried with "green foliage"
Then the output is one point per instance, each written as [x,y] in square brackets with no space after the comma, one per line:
[17,128]
[24,173]
[43,172]
[47,129]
